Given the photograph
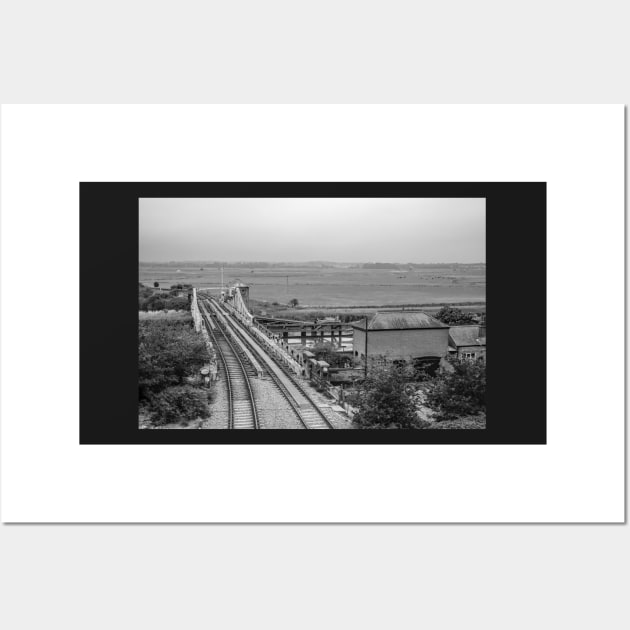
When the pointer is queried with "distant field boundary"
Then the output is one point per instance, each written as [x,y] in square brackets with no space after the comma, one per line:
[171,314]
[390,306]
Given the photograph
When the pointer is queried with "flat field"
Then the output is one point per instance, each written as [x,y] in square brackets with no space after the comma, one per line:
[334,286]
[161,315]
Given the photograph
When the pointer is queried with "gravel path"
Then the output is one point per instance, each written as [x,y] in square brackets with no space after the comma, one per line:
[218,407]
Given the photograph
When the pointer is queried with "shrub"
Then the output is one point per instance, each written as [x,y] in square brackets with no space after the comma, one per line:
[160,302]
[177,303]
[179,403]
[168,351]
[386,400]
[459,391]
[453,316]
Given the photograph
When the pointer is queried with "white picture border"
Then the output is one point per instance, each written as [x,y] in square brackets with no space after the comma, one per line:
[47,476]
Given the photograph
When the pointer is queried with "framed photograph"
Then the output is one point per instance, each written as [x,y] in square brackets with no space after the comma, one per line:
[311,313]
[261,314]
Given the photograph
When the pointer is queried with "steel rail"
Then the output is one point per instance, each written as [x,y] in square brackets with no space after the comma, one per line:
[283,390]
[229,376]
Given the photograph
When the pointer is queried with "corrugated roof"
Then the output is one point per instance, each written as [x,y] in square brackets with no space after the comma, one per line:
[466,336]
[396,320]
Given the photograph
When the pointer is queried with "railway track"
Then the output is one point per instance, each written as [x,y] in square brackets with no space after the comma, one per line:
[305,408]
[242,412]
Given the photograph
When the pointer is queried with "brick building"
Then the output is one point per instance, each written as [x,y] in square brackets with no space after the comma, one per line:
[467,342]
[400,335]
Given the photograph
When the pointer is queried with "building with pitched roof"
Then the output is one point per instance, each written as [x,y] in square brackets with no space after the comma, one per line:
[407,335]
[467,342]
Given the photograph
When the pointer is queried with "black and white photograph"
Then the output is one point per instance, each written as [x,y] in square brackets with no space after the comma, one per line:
[248,255]
[312,313]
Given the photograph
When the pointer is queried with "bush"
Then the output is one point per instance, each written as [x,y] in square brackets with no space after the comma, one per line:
[179,403]
[386,400]
[170,355]
[459,391]
[454,316]
[177,304]
[160,302]
[168,352]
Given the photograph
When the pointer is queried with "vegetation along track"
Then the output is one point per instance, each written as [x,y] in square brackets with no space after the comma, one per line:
[302,404]
[242,412]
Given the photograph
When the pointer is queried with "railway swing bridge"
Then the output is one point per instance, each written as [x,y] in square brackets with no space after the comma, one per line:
[245,353]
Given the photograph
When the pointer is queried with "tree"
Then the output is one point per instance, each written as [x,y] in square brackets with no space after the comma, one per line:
[168,352]
[459,391]
[293,302]
[454,316]
[386,400]
[182,402]
[156,285]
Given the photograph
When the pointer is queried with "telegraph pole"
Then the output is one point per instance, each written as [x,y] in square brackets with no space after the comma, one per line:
[366,345]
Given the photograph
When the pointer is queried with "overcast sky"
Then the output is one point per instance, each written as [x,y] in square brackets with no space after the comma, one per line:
[299,230]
